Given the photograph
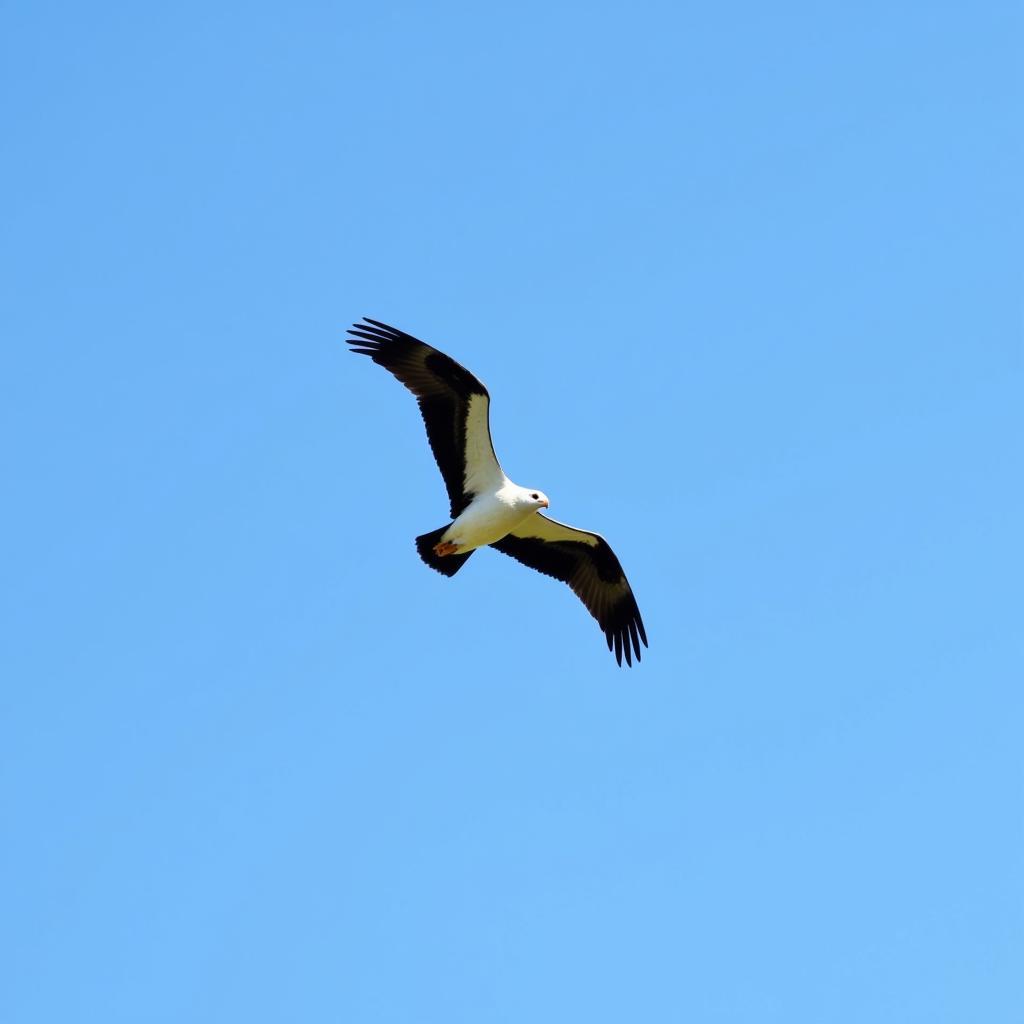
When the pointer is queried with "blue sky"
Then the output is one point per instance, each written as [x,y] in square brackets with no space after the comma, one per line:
[744,282]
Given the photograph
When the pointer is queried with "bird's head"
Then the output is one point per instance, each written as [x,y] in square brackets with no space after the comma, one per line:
[538,499]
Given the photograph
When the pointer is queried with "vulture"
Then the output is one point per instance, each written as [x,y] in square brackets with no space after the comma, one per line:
[488,509]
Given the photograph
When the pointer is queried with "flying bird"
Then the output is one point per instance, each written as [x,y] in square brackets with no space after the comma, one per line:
[488,509]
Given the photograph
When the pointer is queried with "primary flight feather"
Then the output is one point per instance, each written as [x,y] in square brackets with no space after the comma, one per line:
[488,509]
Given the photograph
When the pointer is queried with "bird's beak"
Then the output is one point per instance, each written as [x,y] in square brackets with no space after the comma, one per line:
[544,503]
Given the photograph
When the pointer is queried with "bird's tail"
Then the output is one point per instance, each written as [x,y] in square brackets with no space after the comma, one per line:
[448,565]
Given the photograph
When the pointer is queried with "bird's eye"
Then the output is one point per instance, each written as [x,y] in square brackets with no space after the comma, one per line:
[535,496]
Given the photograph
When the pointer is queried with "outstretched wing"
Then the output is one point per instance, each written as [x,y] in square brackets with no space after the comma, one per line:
[586,562]
[454,405]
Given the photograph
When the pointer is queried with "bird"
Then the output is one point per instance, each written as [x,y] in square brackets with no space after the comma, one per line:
[487,508]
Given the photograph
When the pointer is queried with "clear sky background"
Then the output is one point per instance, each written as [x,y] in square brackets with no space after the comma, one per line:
[744,281]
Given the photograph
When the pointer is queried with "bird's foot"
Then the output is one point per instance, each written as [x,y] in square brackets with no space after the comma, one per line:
[446,548]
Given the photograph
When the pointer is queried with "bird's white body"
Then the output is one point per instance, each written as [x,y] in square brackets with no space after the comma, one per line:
[493,515]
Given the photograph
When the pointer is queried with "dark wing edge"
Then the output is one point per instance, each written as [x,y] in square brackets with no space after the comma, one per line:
[442,388]
[595,576]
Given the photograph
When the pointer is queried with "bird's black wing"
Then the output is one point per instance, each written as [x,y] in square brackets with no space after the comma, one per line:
[455,407]
[586,562]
